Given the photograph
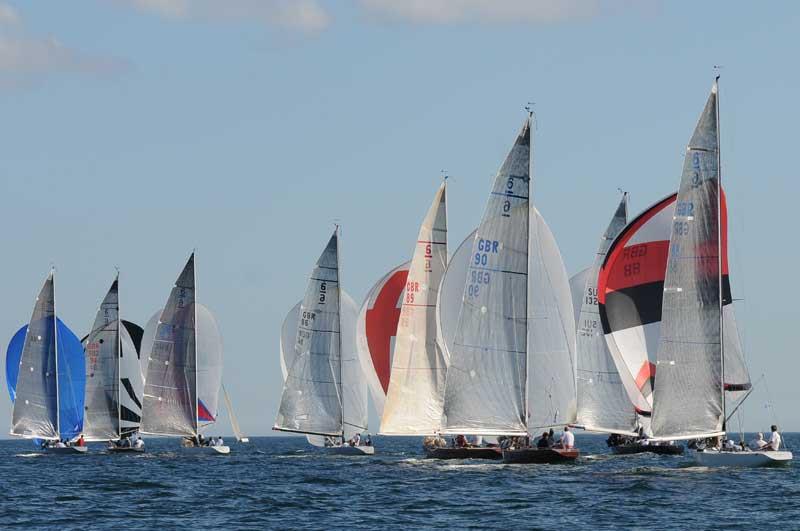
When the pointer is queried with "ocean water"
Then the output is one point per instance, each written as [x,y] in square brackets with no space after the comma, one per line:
[282,483]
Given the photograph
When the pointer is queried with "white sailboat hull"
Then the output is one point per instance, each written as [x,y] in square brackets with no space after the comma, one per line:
[70,450]
[716,458]
[209,450]
[350,450]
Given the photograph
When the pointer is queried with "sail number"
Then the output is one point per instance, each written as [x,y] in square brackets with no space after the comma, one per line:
[323,292]
[591,297]
[634,252]
[481,278]
[412,288]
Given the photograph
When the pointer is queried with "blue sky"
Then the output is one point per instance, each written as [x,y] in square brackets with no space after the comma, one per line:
[136,130]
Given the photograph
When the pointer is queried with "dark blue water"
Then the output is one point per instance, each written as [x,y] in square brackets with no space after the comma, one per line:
[283,483]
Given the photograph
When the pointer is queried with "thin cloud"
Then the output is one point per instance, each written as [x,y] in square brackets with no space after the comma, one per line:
[26,58]
[488,11]
[300,15]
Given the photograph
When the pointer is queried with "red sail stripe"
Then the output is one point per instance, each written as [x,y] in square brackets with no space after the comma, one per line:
[381,325]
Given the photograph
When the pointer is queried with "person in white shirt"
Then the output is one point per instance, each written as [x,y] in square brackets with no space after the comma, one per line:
[356,440]
[567,439]
[758,443]
[213,442]
[220,442]
[775,440]
[139,443]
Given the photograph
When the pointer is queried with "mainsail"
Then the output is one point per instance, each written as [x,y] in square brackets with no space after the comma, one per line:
[312,398]
[355,388]
[603,403]
[113,379]
[49,385]
[688,394]
[170,393]
[237,431]
[485,392]
[376,329]
[414,401]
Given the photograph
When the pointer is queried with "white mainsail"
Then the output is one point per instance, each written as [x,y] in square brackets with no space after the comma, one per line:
[512,360]
[237,431]
[603,403]
[322,378]
[355,410]
[414,401]
[688,396]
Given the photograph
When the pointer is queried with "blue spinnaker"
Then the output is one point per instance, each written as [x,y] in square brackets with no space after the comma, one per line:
[13,355]
[71,382]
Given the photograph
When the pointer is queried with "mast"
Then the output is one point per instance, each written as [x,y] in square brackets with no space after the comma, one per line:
[194,309]
[55,336]
[719,254]
[119,364]
[339,315]
[528,108]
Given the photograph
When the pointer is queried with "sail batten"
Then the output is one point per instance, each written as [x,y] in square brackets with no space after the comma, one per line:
[414,401]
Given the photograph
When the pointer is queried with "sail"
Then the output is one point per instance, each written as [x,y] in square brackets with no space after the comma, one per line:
[603,403]
[234,422]
[630,287]
[102,352]
[35,409]
[552,395]
[50,380]
[170,392]
[355,410]
[131,380]
[376,331]
[312,393]
[688,399]
[416,387]
[451,293]
[485,392]
[13,357]
[209,365]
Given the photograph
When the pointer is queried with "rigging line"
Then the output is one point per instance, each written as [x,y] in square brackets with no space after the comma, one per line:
[772,407]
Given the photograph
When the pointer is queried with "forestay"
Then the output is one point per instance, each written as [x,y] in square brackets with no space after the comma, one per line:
[486,381]
[603,404]
[688,397]
[312,393]
[414,401]
[170,393]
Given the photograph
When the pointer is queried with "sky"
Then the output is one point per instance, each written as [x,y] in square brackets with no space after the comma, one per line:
[134,131]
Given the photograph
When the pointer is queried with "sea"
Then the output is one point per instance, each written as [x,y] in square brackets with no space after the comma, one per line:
[283,483]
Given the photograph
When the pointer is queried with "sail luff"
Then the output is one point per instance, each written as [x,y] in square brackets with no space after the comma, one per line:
[55,347]
[485,383]
[339,317]
[715,90]
[688,394]
[414,401]
[196,401]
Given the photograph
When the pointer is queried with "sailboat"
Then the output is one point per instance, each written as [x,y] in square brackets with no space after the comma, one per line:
[376,331]
[604,382]
[46,378]
[183,348]
[114,380]
[414,401]
[693,368]
[512,362]
[324,393]
[237,431]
